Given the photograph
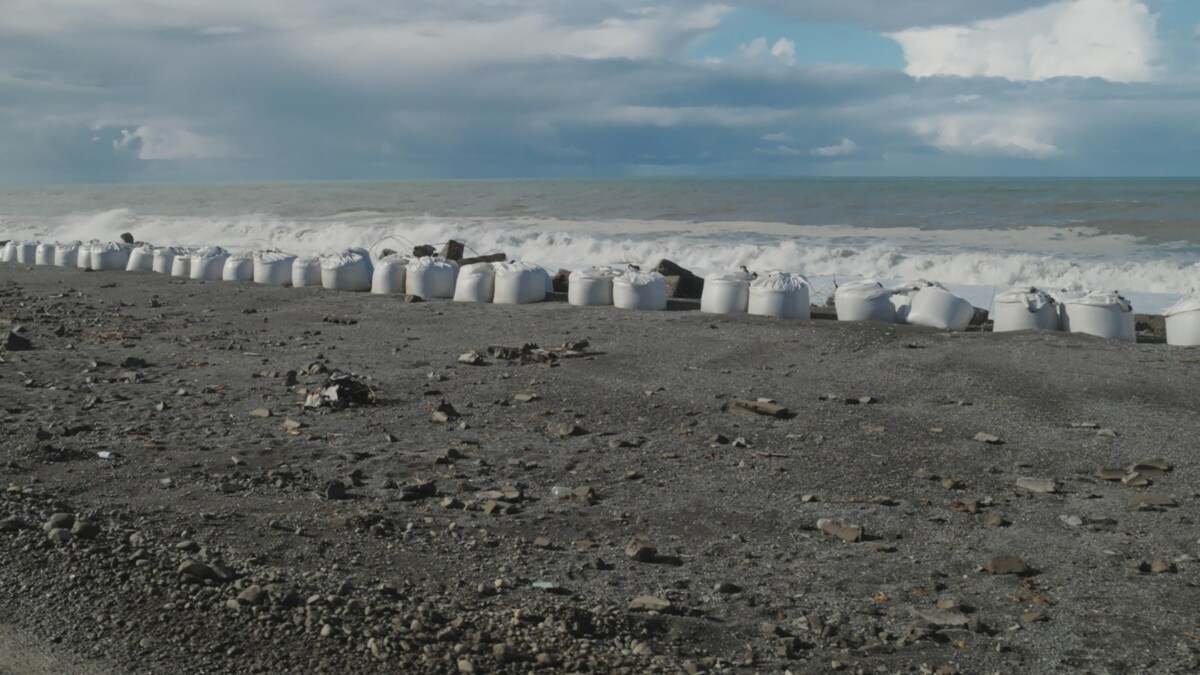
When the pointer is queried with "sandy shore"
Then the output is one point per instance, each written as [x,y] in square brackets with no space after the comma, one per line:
[388,538]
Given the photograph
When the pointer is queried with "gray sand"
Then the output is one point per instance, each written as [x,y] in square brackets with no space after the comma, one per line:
[401,580]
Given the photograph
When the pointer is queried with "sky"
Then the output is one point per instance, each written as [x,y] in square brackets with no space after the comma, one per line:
[95,91]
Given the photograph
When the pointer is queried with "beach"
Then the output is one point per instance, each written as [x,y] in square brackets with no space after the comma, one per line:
[602,503]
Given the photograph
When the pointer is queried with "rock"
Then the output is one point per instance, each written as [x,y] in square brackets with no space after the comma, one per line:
[471,358]
[942,617]
[1110,474]
[260,412]
[759,407]
[1149,501]
[584,494]
[1151,468]
[640,550]
[60,520]
[1162,567]
[1071,521]
[566,430]
[1135,480]
[1031,617]
[1107,433]
[13,524]
[127,237]
[252,595]
[727,588]
[843,531]
[526,398]
[1006,564]
[195,570]
[59,535]
[542,542]
[504,652]
[1042,485]
[15,342]
[418,489]
[466,667]
[335,489]
[84,529]
[649,603]
[988,438]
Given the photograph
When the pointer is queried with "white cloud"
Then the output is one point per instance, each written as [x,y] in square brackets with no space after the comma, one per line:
[221,30]
[777,138]
[759,51]
[153,142]
[846,147]
[1024,136]
[782,150]
[1112,39]
[785,50]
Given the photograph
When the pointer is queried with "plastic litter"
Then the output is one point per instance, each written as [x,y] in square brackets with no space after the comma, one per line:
[238,267]
[726,293]
[109,256]
[389,276]
[141,259]
[864,300]
[1025,308]
[208,263]
[781,295]
[476,283]
[519,283]
[306,271]
[429,277]
[1183,322]
[936,307]
[44,255]
[273,267]
[592,287]
[67,255]
[1101,313]
[640,290]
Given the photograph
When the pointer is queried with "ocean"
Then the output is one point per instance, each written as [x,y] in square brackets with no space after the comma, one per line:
[1138,236]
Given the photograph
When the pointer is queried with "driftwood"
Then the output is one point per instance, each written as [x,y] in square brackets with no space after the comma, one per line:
[490,258]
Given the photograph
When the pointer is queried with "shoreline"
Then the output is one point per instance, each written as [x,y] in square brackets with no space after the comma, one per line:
[641,423]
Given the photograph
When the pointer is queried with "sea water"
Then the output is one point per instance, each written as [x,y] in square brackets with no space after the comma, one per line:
[978,236]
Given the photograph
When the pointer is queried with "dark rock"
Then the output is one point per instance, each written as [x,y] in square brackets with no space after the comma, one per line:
[15,342]
[335,489]
[1006,564]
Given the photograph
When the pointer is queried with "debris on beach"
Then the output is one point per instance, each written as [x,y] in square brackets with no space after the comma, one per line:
[340,391]
[763,406]
[530,353]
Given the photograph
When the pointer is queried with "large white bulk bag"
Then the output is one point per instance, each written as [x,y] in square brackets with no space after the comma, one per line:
[346,270]
[864,300]
[779,294]
[476,283]
[389,276]
[164,259]
[44,255]
[67,255]
[902,296]
[109,256]
[1069,292]
[273,268]
[726,293]
[1101,313]
[9,255]
[181,265]
[519,283]
[306,271]
[238,267]
[592,287]
[141,259]
[27,252]
[640,290]
[431,277]
[1183,322]
[83,260]
[208,263]
[936,307]
[1025,308]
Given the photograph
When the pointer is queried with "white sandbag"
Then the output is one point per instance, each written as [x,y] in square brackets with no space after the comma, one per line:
[548,278]
[9,254]
[347,270]
[164,259]
[779,294]
[67,255]
[208,263]
[476,283]
[389,276]
[141,259]
[273,267]
[1069,292]
[431,277]
[902,296]
[238,267]
[864,300]
[726,293]
[592,287]
[109,256]
[1183,322]
[181,266]
[306,271]
[1025,308]
[27,252]
[936,307]
[1101,313]
[640,290]
[519,283]
[44,255]
[83,260]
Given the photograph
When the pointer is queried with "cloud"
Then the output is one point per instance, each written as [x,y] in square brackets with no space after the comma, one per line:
[778,137]
[783,150]
[1111,39]
[221,30]
[760,52]
[842,149]
[152,142]
[1021,136]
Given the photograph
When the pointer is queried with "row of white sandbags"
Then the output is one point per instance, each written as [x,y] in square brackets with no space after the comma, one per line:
[776,294]
[920,303]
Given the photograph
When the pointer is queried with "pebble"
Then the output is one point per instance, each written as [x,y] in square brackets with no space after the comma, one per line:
[1042,485]
[649,603]
[1005,564]
[640,550]
[844,531]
